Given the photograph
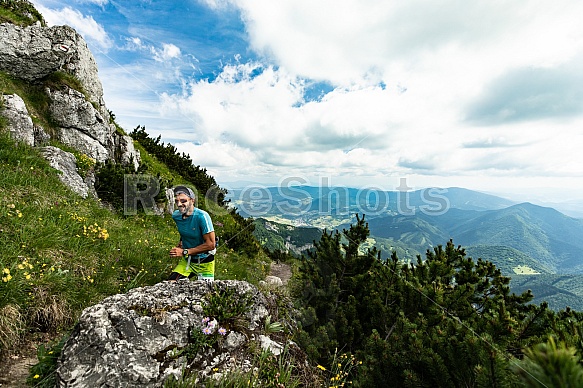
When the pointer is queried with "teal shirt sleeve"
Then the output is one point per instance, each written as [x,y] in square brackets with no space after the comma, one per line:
[205,222]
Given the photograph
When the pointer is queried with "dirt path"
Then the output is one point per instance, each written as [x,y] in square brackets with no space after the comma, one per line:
[282,271]
[14,372]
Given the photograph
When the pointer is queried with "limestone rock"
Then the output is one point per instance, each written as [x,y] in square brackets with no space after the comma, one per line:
[21,126]
[34,52]
[80,125]
[274,281]
[128,153]
[66,163]
[141,338]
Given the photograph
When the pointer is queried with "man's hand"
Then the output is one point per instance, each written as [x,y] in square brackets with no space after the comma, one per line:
[176,252]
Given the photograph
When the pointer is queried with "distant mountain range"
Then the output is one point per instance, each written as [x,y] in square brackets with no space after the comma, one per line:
[539,247]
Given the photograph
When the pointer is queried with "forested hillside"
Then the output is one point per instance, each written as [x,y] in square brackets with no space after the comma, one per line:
[274,236]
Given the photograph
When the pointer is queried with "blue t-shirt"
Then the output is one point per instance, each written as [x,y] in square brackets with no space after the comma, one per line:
[192,228]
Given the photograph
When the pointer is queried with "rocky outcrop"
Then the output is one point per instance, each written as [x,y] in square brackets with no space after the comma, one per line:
[34,52]
[83,121]
[80,125]
[142,338]
[66,163]
[21,126]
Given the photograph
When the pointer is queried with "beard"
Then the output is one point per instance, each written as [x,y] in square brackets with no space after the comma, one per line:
[183,209]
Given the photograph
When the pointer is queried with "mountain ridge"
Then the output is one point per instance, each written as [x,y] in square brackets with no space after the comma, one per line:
[534,245]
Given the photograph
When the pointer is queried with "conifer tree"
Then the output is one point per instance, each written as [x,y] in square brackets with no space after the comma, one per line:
[444,320]
[332,284]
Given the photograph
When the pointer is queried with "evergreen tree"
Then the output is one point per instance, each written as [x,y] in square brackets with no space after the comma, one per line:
[550,365]
[332,285]
[444,320]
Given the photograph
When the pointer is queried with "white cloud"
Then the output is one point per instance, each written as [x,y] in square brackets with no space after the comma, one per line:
[84,25]
[214,154]
[350,41]
[406,78]
[216,4]
[168,52]
[134,43]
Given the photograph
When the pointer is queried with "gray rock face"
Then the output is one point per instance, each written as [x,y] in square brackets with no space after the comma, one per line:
[35,52]
[128,153]
[80,124]
[141,338]
[21,126]
[66,163]
[31,53]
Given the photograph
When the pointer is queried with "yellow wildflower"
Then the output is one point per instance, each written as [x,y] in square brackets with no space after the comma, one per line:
[36,376]
[321,367]
[6,271]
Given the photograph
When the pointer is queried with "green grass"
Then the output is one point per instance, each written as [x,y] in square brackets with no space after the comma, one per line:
[35,98]
[62,253]
[20,13]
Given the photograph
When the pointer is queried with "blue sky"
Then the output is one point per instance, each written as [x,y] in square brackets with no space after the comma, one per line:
[484,95]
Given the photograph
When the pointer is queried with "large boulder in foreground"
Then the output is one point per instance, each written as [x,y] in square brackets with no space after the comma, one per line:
[142,338]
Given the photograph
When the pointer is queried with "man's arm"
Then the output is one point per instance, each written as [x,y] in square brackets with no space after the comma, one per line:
[207,245]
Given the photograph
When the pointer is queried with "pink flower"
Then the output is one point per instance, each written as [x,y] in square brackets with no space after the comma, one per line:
[222,331]
[205,320]
[207,331]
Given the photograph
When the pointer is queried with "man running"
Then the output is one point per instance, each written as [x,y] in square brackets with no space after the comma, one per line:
[197,238]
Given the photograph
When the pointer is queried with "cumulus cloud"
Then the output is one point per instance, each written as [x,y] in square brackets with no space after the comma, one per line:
[350,43]
[402,75]
[263,108]
[84,25]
